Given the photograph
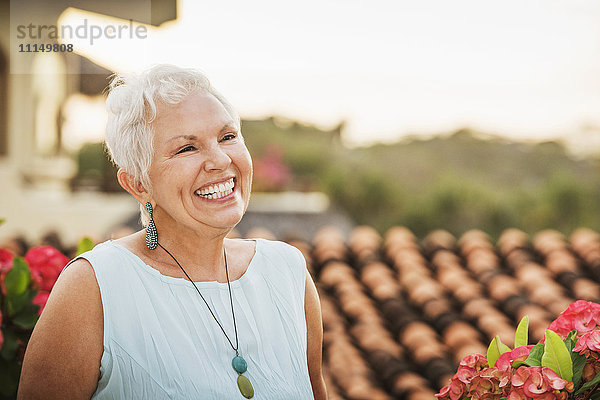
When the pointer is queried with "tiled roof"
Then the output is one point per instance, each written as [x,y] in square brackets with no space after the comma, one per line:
[400,313]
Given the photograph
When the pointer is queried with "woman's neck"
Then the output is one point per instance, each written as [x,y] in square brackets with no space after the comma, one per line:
[200,252]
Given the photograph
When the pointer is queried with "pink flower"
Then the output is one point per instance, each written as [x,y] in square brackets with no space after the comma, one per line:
[6,259]
[487,385]
[45,263]
[468,368]
[453,391]
[6,264]
[537,381]
[40,299]
[588,341]
[476,361]
[506,360]
[519,394]
[581,315]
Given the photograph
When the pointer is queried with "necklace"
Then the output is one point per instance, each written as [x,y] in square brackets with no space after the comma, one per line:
[239,364]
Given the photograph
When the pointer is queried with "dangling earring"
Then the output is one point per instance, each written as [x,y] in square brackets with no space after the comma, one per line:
[151,233]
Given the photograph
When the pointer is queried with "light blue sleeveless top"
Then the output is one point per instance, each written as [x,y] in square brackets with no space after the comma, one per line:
[161,342]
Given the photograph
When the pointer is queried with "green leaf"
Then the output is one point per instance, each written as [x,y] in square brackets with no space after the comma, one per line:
[496,349]
[9,378]
[15,304]
[18,278]
[85,244]
[534,359]
[28,317]
[589,385]
[557,357]
[10,346]
[578,364]
[570,340]
[2,220]
[521,335]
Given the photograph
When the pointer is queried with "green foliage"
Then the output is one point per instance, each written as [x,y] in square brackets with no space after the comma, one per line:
[579,362]
[18,278]
[9,377]
[85,244]
[19,316]
[495,350]
[521,334]
[534,359]
[589,385]
[556,356]
[455,182]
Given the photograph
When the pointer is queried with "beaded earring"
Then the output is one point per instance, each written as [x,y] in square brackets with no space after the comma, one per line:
[151,233]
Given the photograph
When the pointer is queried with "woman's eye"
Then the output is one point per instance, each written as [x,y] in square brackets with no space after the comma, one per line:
[229,136]
[186,148]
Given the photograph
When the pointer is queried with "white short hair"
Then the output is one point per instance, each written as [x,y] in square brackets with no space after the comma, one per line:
[132,107]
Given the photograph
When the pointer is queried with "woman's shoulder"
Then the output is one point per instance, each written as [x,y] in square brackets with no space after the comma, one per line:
[68,337]
[276,255]
[106,252]
[277,247]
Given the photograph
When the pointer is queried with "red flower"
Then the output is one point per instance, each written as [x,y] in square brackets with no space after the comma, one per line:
[40,299]
[6,264]
[45,263]
[6,259]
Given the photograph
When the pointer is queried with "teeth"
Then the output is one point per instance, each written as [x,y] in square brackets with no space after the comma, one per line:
[217,191]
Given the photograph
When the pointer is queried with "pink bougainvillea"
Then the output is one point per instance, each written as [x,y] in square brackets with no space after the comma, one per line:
[45,263]
[6,259]
[40,299]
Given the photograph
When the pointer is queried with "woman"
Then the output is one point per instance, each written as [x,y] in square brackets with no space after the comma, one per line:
[177,310]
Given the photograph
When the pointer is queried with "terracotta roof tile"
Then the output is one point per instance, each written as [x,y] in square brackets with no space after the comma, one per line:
[400,313]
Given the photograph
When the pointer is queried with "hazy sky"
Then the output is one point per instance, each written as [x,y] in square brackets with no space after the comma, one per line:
[521,68]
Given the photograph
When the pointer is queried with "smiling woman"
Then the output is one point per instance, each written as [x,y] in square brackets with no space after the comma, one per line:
[176,310]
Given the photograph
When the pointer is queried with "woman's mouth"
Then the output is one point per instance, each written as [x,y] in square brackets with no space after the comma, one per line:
[218,190]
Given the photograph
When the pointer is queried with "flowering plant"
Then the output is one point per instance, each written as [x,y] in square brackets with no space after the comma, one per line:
[25,284]
[565,365]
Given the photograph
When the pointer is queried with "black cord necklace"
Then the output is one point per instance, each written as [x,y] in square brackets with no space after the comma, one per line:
[239,364]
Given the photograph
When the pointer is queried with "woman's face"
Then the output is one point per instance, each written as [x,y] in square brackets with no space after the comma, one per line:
[201,170]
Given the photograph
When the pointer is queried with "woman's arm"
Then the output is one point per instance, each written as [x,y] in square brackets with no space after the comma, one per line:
[314,334]
[62,360]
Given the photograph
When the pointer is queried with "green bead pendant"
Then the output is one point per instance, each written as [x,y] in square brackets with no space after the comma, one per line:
[245,387]
[239,364]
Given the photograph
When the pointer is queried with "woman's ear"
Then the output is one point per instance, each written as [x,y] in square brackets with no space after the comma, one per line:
[133,188]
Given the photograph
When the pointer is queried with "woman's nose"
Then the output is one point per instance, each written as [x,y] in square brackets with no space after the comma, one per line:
[217,159]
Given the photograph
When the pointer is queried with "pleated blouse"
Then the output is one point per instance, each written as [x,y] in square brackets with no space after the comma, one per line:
[161,342]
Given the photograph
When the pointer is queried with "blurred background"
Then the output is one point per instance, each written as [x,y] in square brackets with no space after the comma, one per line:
[436,126]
